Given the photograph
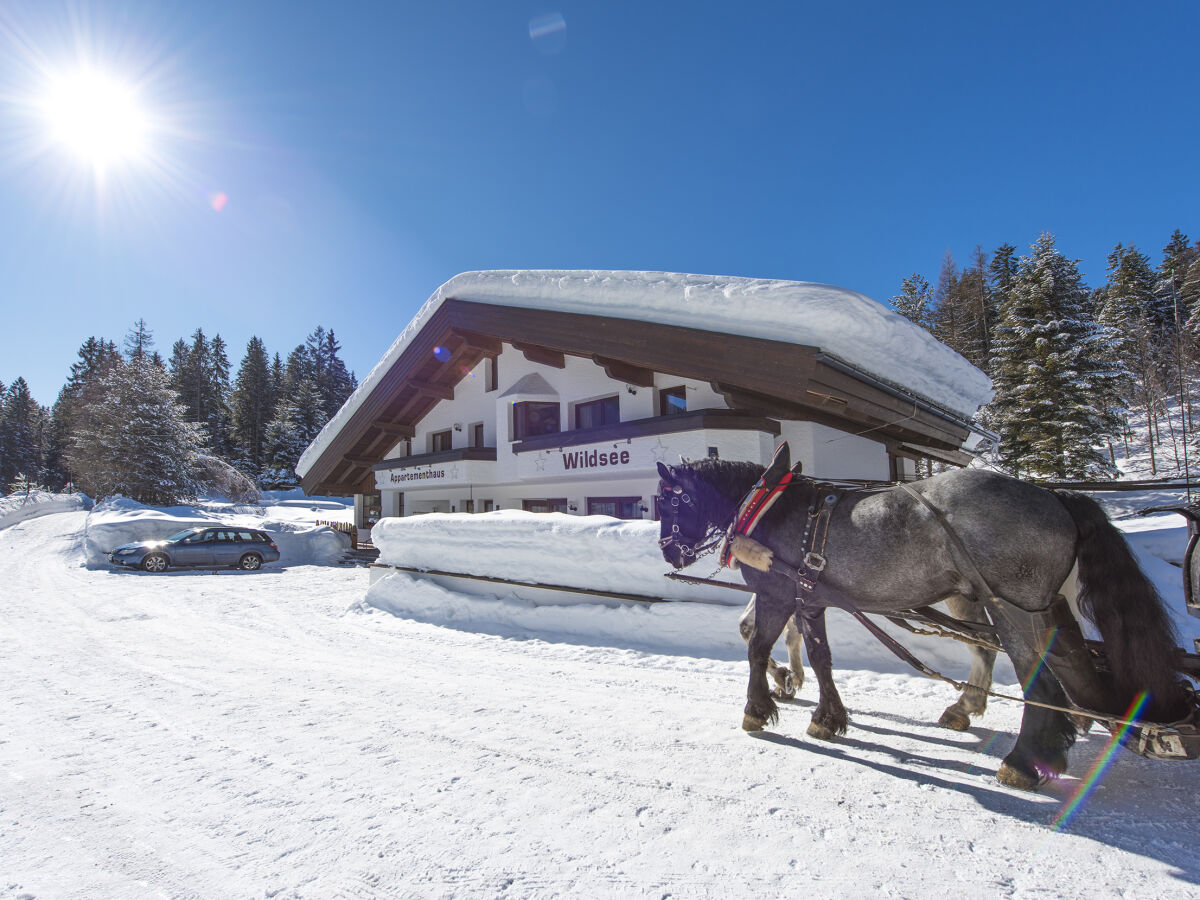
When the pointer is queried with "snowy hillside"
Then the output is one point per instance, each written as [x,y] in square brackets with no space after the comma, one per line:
[271,735]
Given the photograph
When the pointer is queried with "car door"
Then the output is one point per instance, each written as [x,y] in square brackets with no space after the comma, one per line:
[195,550]
[227,550]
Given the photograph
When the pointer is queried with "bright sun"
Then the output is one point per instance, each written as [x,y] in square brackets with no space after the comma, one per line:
[96,118]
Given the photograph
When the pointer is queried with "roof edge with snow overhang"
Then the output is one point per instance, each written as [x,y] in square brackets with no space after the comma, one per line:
[844,324]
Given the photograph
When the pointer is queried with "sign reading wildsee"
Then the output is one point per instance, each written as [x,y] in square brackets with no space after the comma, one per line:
[596,459]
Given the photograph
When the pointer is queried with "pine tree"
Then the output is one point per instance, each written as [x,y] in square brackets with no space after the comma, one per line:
[1055,391]
[1178,256]
[252,407]
[138,341]
[915,301]
[298,419]
[200,377]
[1189,296]
[1002,272]
[97,357]
[334,381]
[21,427]
[133,439]
[220,417]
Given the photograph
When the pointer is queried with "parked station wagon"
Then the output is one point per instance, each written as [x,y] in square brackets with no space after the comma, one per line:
[224,546]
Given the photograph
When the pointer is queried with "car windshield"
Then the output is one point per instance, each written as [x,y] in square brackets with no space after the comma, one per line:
[176,538]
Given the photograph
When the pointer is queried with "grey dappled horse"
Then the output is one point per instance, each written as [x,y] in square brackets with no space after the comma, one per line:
[888,552]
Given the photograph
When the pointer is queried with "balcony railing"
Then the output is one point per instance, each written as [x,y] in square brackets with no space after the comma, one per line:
[697,420]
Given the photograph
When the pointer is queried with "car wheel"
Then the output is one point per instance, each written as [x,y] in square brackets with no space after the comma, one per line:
[155,562]
[250,562]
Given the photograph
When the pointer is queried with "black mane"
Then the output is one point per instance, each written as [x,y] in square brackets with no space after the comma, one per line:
[727,480]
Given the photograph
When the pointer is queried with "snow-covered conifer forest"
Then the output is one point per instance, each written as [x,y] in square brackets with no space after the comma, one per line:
[127,421]
[1091,383]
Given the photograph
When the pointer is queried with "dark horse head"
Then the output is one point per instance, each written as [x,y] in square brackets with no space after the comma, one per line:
[696,502]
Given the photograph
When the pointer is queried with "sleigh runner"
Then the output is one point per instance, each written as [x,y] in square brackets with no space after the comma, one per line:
[1138,691]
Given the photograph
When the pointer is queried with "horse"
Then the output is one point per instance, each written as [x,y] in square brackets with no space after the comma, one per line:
[979,538]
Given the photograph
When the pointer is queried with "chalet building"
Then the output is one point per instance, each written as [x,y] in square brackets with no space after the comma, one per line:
[560,391]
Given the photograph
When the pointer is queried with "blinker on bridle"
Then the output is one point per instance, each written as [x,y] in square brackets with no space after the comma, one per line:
[678,497]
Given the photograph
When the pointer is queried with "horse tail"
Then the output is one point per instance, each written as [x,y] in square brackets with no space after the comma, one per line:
[1115,595]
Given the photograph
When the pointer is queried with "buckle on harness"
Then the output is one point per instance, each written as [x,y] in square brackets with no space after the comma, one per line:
[814,562]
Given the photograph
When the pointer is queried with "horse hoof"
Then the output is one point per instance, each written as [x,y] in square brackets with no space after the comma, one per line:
[1014,778]
[749,723]
[820,732]
[954,720]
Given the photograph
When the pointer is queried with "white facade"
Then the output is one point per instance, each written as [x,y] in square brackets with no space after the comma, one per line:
[572,470]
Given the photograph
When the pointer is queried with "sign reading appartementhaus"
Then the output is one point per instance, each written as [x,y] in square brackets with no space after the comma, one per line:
[455,472]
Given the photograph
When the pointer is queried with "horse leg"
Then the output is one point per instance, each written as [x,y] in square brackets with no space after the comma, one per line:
[973,700]
[1046,734]
[785,682]
[794,642]
[829,718]
[770,615]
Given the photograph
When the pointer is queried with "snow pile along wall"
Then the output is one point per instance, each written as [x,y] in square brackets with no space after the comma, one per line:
[590,552]
[20,507]
[123,521]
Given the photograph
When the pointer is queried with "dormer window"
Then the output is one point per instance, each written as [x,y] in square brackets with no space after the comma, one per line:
[532,418]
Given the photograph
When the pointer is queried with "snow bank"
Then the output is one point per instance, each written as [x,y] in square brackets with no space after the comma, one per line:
[843,323]
[607,554]
[702,630]
[593,552]
[122,521]
[20,507]
[600,553]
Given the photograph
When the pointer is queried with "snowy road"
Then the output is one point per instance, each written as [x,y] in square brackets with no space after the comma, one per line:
[257,735]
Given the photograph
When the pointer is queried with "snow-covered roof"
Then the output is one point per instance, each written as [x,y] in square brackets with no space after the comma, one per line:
[843,323]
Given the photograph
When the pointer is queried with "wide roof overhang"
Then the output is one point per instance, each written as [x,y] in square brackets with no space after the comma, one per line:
[772,378]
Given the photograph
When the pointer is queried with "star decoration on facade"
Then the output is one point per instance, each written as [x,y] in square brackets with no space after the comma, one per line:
[660,451]
[454,473]
[539,463]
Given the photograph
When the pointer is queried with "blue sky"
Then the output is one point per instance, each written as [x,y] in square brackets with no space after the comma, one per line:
[367,152]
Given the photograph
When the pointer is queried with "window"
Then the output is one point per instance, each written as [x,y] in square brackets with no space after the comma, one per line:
[491,373]
[488,506]
[533,418]
[441,440]
[557,504]
[476,435]
[672,401]
[617,507]
[372,509]
[598,412]
[245,536]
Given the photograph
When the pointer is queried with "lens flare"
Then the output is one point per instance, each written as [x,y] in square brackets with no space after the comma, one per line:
[1101,766]
[441,354]
[1051,637]
[218,201]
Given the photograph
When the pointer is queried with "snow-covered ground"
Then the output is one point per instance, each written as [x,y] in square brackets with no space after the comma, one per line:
[30,504]
[271,734]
